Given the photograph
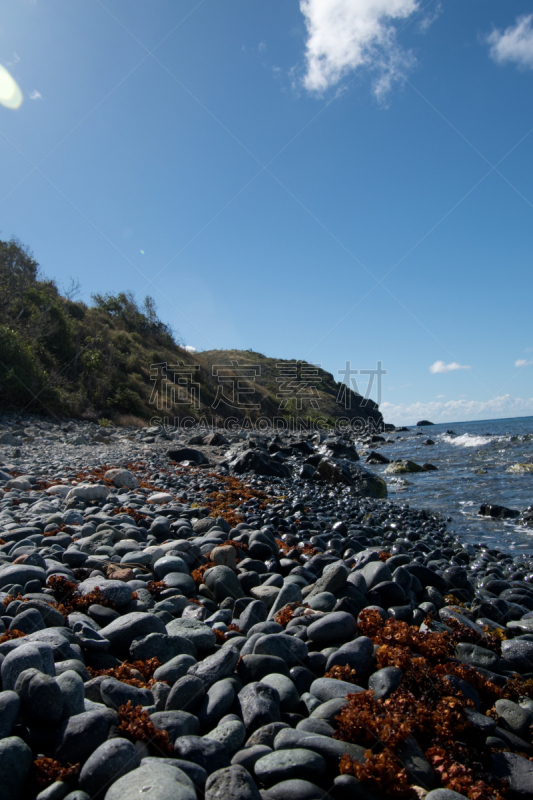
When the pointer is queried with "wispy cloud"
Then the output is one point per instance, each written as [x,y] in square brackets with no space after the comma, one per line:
[515,44]
[458,410]
[427,21]
[522,362]
[189,348]
[440,366]
[16,59]
[345,34]
[35,95]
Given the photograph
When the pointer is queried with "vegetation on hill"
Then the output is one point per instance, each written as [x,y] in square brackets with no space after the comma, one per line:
[58,355]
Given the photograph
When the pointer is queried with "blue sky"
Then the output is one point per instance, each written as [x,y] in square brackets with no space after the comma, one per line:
[327,180]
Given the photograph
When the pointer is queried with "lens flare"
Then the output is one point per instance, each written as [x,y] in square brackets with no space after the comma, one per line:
[10,94]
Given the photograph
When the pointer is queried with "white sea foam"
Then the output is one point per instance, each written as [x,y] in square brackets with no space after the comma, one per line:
[469,440]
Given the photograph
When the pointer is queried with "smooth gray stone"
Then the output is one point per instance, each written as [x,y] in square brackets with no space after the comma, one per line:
[254,667]
[330,749]
[207,753]
[135,625]
[19,573]
[284,765]
[385,681]
[110,761]
[28,621]
[231,734]
[444,794]
[289,593]
[254,613]
[197,632]
[167,564]
[516,719]
[519,654]
[247,757]
[323,601]
[288,694]
[197,774]
[114,694]
[375,572]
[26,656]
[477,656]
[517,771]
[77,795]
[290,649]
[174,669]
[329,710]
[333,578]
[176,723]
[318,726]
[483,723]
[79,736]
[187,694]
[223,582]
[73,692]
[9,711]
[358,655]
[216,667]
[40,696]
[56,791]
[233,782]
[266,734]
[161,646]
[116,592]
[72,665]
[415,762]
[178,580]
[325,689]
[333,628]
[259,706]
[15,764]
[269,626]
[217,702]
[293,790]
[153,781]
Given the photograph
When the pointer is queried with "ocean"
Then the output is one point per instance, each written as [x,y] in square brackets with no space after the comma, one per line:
[472,459]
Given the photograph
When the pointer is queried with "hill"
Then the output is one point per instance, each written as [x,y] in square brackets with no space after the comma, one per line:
[117,360]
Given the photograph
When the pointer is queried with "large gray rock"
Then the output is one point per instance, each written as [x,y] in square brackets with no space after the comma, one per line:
[217,702]
[40,696]
[9,711]
[174,669]
[289,648]
[233,782]
[114,694]
[289,593]
[207,753]
[197,632]
[259,705]
[24,657]
[135,625]
[79,736]
[223,582]
[107,764]
[216,667]
[153,781]
[176,723]
[22,574]
[15,764]
[284,765]
[72,691]
[517,771]
[333,628]
[187,694]
[358,655]
[333,578]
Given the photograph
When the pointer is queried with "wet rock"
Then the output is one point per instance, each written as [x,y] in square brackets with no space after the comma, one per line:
[158,781]
[15,764]
[232,782]
[108,763]
[207,753]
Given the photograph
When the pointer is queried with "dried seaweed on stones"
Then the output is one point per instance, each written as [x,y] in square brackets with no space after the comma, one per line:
[382,771]
[9,635]
[128,672]
[48,771]
[220,636]
[135,724]
[384,555]
[346,674]
[198,574]
[234,627]
[156,587]
[286,613]
[10,597]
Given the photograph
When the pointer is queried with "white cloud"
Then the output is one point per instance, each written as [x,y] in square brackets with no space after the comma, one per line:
[189,348]
[35,95]
[440,396]
[440,366]
[522,362]
[345,34]
[457,410]
[427,21]
[515,44]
